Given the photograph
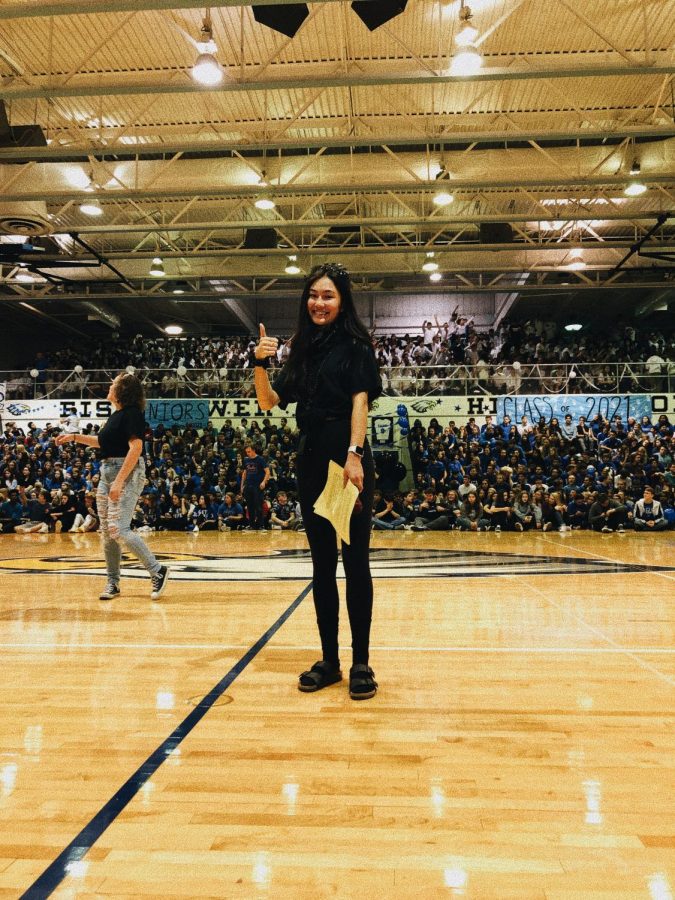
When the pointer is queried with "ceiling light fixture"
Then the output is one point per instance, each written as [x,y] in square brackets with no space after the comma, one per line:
[435,276]
[575,326]
[635,189]
[468,61]
[635,167]
[174,329]
[443,198]
[264,203]
[207,70]
[467,34]
[430,265]
[25,276]
[157,267]
[91,208]
[292,267]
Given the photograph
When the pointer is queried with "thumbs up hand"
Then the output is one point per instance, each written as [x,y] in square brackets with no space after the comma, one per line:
[266,346]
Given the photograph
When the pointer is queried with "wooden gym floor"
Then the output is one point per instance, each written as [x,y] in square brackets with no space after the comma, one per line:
[521,744]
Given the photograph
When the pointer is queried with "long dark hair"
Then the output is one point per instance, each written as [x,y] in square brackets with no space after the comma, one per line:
[348,319]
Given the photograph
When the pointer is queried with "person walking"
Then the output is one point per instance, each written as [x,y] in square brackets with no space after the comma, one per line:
[120,443]
[254,477]
[332,374]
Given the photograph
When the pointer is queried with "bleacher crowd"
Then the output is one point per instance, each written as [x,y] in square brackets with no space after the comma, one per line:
[451,357]
[548,475]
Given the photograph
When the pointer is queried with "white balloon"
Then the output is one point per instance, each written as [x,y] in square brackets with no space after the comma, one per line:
[131,370]
[181,370]
[516,365]
[78,370]
[34,373]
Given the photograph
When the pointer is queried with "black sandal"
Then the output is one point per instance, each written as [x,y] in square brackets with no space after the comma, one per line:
[362,684]
[319,676]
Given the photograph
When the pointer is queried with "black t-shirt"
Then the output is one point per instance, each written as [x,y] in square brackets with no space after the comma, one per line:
[337,367]
[336,371]
[121,426]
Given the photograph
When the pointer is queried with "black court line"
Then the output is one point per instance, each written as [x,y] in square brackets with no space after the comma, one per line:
[54,874]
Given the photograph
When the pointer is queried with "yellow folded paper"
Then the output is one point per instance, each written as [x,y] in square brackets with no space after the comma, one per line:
[336,503]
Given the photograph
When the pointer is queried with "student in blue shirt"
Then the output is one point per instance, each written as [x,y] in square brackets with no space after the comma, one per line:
[437,472]
[230,513]
[255,476]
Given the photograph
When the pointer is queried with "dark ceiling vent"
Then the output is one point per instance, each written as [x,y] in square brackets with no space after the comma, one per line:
[19,135]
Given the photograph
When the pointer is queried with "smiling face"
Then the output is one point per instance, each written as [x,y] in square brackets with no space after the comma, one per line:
[324,302]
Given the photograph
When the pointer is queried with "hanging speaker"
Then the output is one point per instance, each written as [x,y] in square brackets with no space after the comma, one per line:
[495,233]
[260,239]
[374,13]
[285,18]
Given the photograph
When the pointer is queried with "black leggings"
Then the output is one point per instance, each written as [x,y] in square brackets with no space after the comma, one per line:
[355,558]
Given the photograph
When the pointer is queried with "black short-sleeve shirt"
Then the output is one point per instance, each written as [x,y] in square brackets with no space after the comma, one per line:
[347,367]
[122,425]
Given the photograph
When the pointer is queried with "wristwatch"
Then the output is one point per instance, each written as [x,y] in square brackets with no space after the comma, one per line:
[355,449]
[261,363]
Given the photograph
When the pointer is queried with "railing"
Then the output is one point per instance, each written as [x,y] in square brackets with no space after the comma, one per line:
[401,381]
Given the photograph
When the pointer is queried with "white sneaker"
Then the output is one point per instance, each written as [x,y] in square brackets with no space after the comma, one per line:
[563,528]
[43,529]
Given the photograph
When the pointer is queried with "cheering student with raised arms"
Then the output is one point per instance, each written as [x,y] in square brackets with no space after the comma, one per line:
[120,445]
[332,374]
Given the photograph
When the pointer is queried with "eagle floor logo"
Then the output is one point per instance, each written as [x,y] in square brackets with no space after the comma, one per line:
[296,565]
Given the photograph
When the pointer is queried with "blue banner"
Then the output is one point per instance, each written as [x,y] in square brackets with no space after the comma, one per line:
[557,406]
[177,412]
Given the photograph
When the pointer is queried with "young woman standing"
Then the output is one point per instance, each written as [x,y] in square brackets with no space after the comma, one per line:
[332,374]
